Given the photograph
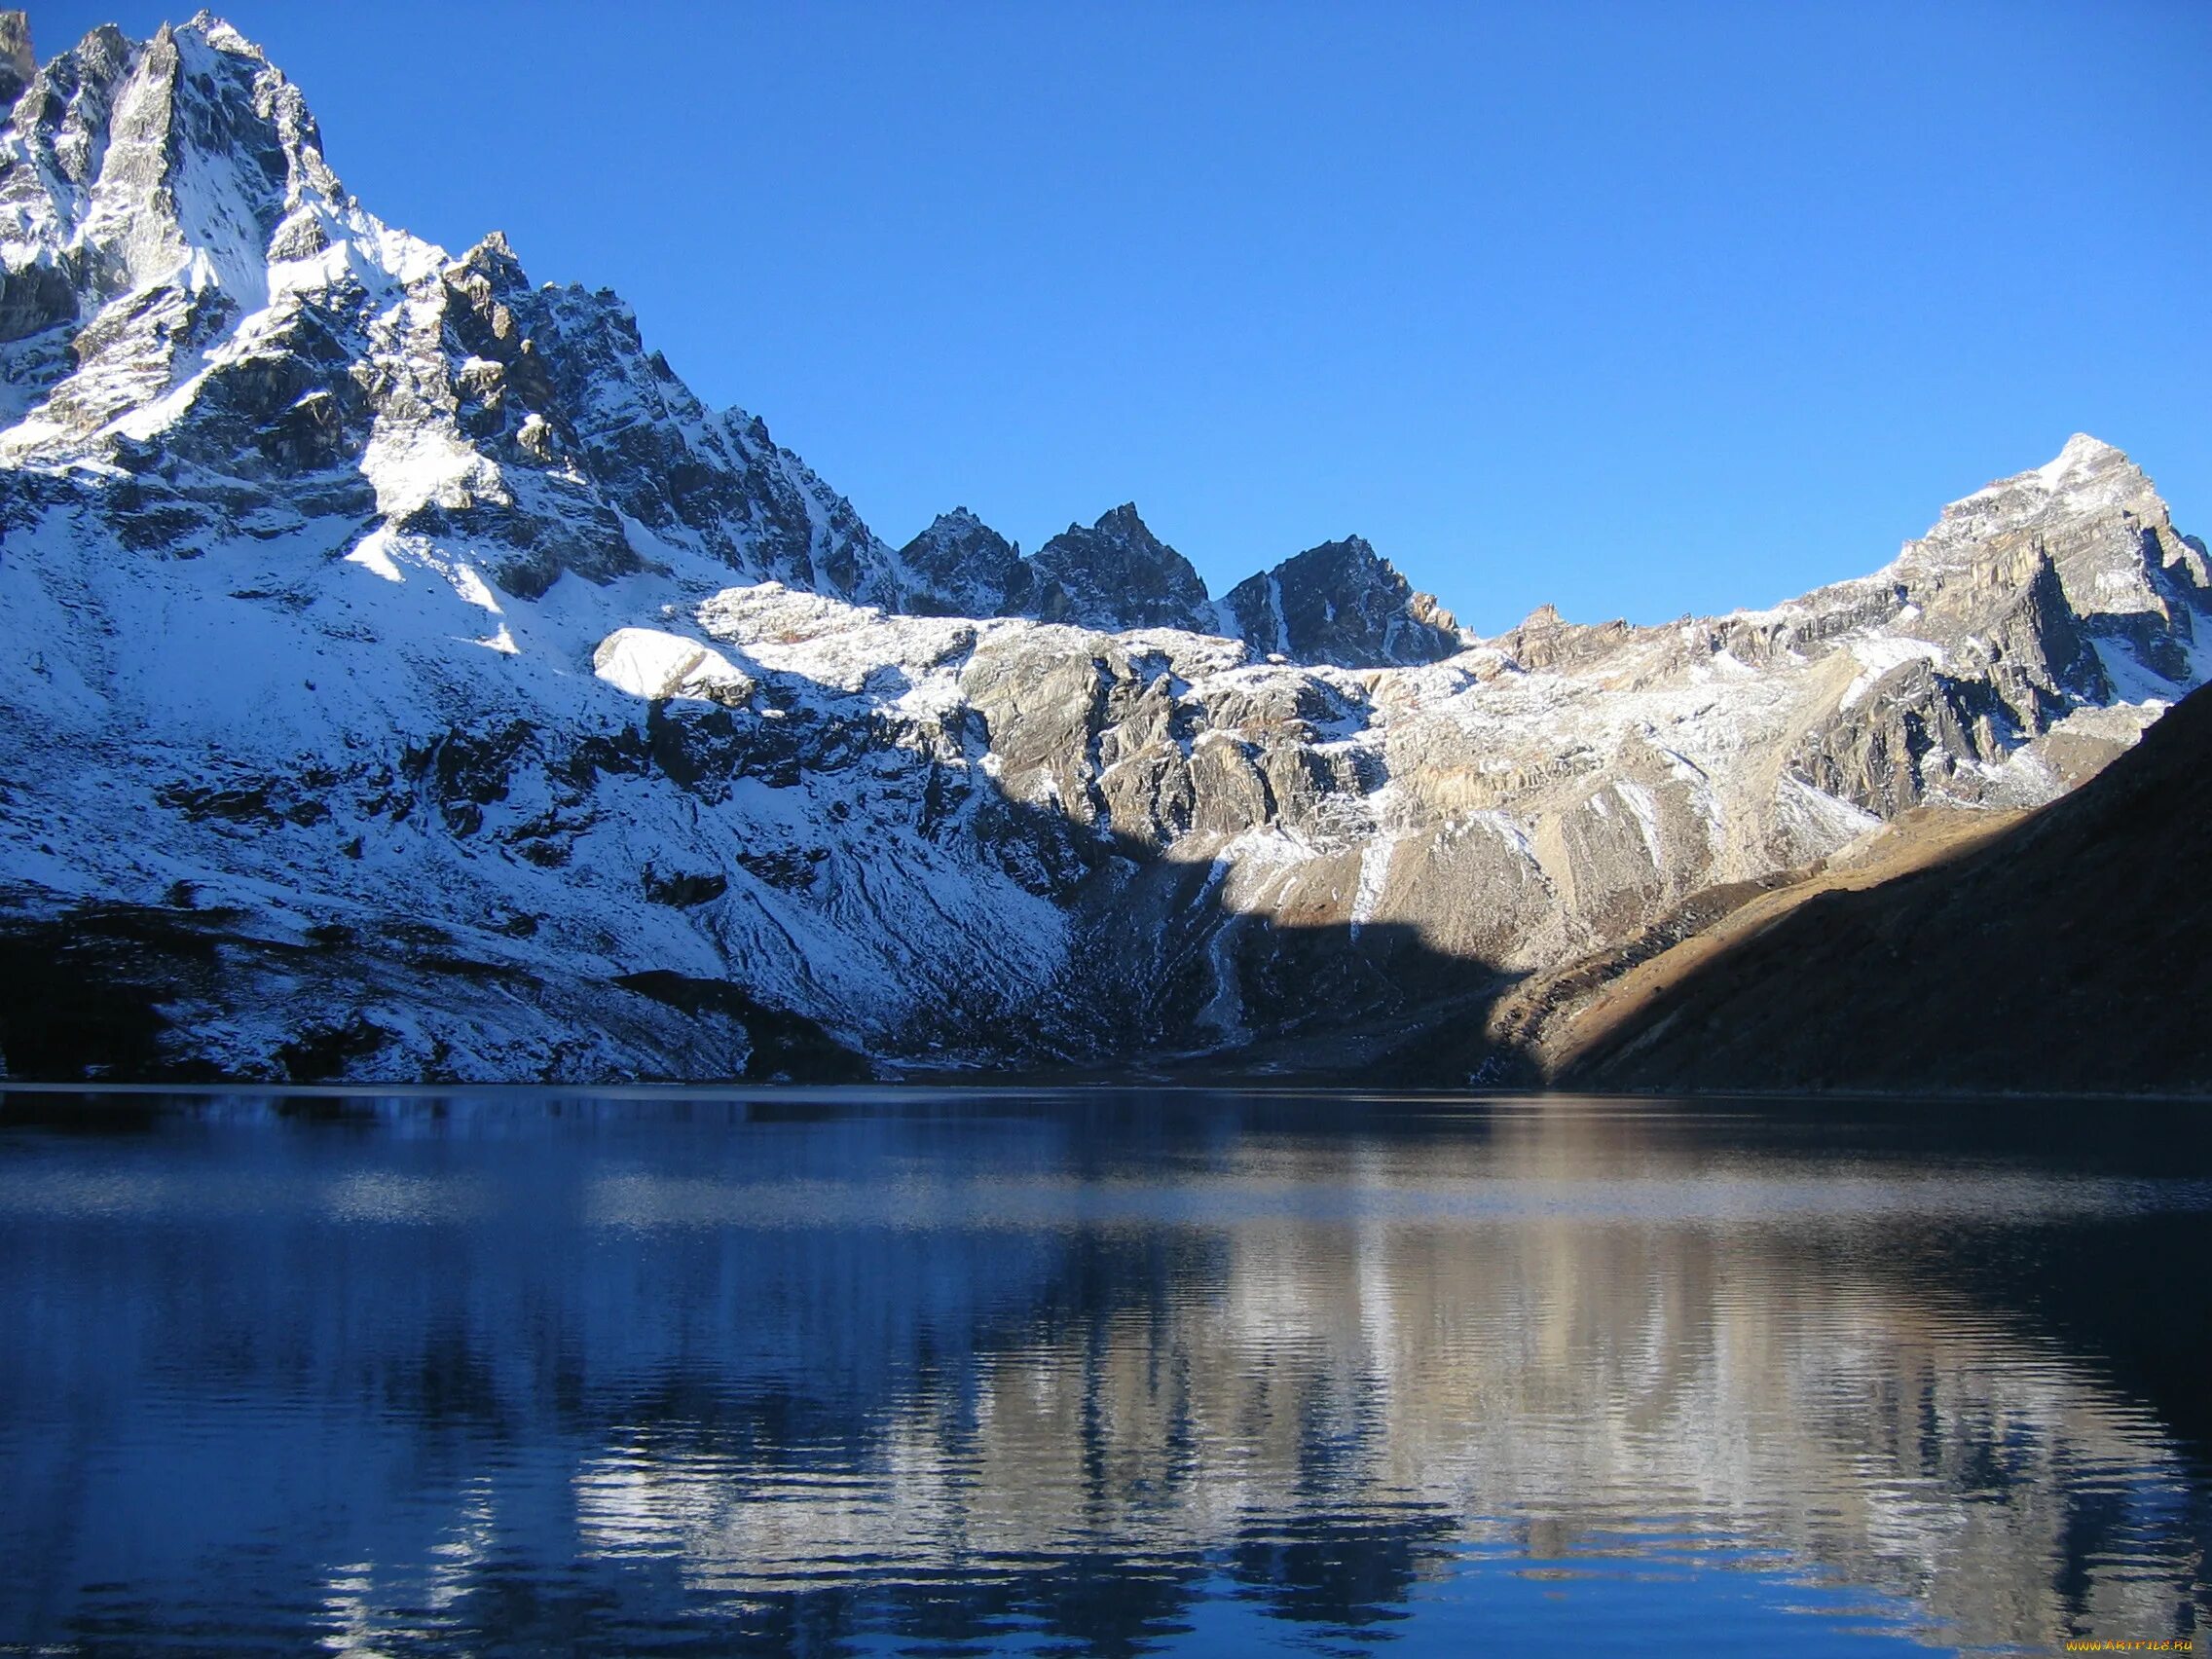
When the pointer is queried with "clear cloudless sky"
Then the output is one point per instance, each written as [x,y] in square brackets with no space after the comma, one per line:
[1639,307]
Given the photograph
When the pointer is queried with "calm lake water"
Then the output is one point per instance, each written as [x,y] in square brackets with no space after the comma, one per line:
[1099,1374]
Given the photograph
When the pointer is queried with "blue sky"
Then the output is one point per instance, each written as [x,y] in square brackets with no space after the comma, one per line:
[1640,309]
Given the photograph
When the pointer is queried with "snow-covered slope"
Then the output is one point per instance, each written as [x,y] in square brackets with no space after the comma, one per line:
[405,674]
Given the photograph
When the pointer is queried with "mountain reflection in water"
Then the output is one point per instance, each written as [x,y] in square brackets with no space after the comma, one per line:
[1097,1373]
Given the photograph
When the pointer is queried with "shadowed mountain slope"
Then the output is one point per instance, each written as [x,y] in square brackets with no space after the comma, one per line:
[2065,952]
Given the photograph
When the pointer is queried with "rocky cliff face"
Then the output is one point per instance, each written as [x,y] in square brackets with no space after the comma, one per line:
[211,341]
[1340,602]
[1116,575]
[2047,954]
[968,568]
[407,676]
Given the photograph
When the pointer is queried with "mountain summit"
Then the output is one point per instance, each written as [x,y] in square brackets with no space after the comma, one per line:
[1341,603]
[408,678]
[196,303]
[1116,575]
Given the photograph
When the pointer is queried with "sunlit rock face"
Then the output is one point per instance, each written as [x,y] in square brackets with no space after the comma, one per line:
[419,680]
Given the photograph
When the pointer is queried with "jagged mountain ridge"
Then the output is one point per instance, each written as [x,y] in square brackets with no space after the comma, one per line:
[279,328]
[1338,603]
[410,678]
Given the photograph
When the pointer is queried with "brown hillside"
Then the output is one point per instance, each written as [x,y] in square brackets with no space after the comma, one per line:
[2066,952]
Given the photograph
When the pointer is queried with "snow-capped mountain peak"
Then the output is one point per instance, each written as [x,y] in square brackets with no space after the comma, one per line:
[407,675]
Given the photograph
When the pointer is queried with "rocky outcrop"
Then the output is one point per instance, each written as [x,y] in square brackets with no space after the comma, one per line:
[434,683]
[1117,575]
[1340,602]
[961,567]
[16,64]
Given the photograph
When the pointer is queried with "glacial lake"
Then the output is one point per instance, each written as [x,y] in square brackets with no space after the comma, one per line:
[1100,1372]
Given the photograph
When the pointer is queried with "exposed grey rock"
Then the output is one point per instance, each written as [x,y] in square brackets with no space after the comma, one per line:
[963,567]
[176,188]
[1116,575]
[33,300]
[18,64]
[1340,602]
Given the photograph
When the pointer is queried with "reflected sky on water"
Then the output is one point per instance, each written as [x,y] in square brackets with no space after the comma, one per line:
[1107,1372]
